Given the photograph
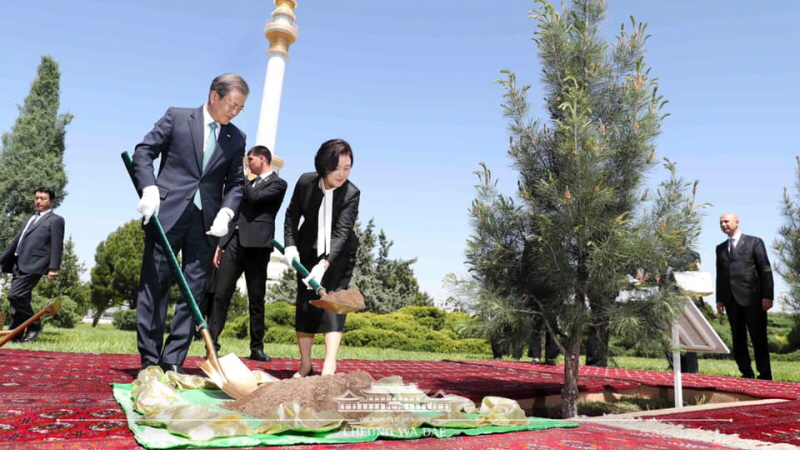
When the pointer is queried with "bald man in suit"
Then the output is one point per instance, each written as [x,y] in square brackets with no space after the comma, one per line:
[745,292]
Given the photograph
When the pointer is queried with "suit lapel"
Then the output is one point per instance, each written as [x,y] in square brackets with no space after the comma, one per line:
[36,224]
[744,241]
[338,198]
[196,128]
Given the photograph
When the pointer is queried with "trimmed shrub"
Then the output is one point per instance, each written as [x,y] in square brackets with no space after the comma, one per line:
[238,328]
[778,343]
[402,323]
[435,341]
[357,321]
[280,335]
[375,337]
[426,316]
[794,337]
[479,346]
[279,314]
[124,319]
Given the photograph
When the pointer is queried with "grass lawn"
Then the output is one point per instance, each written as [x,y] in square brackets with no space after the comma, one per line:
[107,339]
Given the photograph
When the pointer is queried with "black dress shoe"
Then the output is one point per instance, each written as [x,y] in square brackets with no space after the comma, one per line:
[31,336]
[259,355]
[166,367]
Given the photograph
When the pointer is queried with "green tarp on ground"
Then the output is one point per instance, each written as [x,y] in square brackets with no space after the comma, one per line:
[160,438]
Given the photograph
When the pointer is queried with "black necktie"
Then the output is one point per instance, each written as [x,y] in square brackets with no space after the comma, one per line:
[730,246]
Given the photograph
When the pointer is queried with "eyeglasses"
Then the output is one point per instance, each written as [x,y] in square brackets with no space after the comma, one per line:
[232,107]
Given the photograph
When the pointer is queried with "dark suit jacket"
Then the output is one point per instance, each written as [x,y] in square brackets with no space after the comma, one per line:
[41,249]
[177,138]
[256,219]
[305,204]
[745,275]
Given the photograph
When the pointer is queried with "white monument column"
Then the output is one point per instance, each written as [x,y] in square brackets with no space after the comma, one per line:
[281,32]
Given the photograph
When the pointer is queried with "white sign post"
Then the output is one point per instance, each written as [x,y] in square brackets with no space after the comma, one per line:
[692,332]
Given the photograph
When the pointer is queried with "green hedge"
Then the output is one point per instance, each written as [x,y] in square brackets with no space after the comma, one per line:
[427,316]
[414,328]
[238,328]
[279,314]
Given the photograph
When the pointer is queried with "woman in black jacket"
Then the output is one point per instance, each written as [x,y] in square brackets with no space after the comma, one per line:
[327,203]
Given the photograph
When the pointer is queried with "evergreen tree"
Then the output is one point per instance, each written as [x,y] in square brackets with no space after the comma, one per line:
[564,254]
[387,284]
[118,263]
[284,290]
[787,244]
[32,152]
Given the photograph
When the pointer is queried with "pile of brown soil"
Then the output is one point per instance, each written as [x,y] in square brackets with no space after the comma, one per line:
[316,392]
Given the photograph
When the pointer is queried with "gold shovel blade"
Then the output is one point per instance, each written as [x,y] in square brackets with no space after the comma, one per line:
[232,376]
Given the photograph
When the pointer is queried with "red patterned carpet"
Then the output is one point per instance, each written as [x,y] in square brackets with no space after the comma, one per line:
[63,401]
[772,423]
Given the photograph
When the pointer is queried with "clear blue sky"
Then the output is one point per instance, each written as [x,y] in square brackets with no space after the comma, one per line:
[410,85]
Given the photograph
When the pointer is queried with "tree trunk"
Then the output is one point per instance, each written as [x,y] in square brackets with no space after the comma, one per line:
[96,318]
[569,392]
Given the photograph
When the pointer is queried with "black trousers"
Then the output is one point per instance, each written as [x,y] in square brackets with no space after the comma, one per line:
[752,319]
[19,298]
[252,261]
[188,237]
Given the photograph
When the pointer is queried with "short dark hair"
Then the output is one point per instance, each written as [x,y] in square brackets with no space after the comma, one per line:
[48,191]
[228,82]
[260,150]
[327,158]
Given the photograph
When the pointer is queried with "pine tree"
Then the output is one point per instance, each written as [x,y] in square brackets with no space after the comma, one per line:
[32,152]
[564,253]
[387,284]
[787,244]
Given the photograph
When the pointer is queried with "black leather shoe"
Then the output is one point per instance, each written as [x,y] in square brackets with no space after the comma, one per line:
[166,367]
[259,355]
[31,336]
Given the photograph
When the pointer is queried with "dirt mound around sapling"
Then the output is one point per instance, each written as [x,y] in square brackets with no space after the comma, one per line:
[316,392]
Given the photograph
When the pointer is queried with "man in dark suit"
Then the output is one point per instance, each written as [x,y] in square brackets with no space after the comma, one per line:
[34,252]
[745,293]
[247,249]
[197,190]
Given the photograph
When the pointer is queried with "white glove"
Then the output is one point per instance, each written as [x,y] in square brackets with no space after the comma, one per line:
[220,226]
[290,253]
[317,272]
[149,203]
